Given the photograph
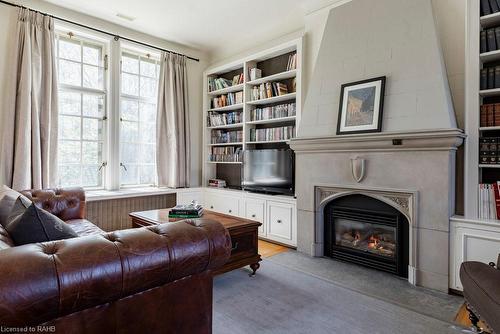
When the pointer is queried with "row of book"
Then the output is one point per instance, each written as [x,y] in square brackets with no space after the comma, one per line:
[489,150]
[271,134]
[221,83]
[489,115]
[217,119]
[489,201]
[268,89]
[227,100]
[217,183]
[292,62]
[490,77]
[490,39]
[225,154]
[489,7]
[223,137]
[192,210]
[279,111]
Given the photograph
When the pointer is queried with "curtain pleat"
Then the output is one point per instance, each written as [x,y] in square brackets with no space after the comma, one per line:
[30,126]
[172,137]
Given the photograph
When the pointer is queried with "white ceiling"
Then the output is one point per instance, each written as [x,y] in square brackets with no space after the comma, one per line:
[204,24]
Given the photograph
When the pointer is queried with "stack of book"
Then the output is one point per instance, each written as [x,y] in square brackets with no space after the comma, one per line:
[224,137]
[216,119]
[216,183]
[292,62]
[269,89]
[489,201]
[490,6]
[490,77]
[193,210]
[279,111]
[272,134]
[227,100]
[489,151]
[218,83]
[490,115]
[225,154]
[490,39]
[238,79]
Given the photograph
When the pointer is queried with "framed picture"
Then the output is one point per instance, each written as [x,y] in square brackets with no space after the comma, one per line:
[361,105]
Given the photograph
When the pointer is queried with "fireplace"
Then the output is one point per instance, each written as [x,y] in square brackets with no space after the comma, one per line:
[367,231]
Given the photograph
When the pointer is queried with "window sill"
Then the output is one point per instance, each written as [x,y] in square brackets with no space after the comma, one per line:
[101,195]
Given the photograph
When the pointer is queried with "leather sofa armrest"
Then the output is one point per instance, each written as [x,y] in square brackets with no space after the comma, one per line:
[65,203]
[44,281]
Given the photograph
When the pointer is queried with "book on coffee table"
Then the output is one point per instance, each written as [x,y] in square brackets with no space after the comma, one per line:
[192,210]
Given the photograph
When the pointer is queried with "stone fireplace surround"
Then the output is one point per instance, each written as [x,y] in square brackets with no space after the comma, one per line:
[413,171]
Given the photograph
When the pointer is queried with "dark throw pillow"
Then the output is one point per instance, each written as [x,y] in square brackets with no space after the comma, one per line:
[36,225]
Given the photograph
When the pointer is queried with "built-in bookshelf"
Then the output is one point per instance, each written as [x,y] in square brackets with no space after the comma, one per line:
[260,97]
[482,115]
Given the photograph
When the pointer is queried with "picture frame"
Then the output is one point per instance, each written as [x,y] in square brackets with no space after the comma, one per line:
[361,106]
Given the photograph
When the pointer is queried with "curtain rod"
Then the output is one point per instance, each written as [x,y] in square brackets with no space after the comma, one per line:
[116,37]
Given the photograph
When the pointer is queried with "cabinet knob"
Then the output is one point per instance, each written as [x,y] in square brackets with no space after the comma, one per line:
[253,216]
[230,211]
[211,206]
[279,221]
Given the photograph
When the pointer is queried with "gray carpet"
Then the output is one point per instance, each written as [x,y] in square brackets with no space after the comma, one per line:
[284,300]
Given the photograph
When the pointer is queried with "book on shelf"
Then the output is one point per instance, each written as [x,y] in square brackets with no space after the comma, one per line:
[268,90]
[273,134]
[489,200]
[488,151]
[489,7]
[228,99]
[228,118]
[491,38]
[226,137]
[238,79]
[490,78]
[217,183]
[292,62]
[218,83]
[225,154]
[489,115]
[255,73]
[278,111]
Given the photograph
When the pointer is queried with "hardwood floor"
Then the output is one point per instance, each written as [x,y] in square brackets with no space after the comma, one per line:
[462,318]
[268,249]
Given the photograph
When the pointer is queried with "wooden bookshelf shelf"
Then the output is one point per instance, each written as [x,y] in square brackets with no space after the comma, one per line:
[490,20]
[235,88]
[225,162]
[268,142]
[226,126]
[275,77]
[489,166]
[489,128]
[490,56]
[227,144]
[273,99]
[227,108]
[274,120]
[489,92]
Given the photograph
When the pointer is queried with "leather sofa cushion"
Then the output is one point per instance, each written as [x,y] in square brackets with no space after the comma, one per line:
[36,225]
[83,227]
[481,284]
[5,239]
[8,198]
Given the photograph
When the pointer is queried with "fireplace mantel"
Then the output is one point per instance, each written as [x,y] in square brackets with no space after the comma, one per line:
[424,140]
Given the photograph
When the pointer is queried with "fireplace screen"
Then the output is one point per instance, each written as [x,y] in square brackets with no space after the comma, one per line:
[367,237]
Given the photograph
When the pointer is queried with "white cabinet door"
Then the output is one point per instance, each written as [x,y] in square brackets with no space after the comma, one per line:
[281,222]
[222,204]
[255,210]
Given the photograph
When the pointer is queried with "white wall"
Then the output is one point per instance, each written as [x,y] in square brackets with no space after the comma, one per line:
[8,18]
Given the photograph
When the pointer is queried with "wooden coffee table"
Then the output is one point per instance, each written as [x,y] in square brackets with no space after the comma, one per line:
[243,232]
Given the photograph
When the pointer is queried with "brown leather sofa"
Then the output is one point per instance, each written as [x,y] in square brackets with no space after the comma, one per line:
[145,280]
[481,283]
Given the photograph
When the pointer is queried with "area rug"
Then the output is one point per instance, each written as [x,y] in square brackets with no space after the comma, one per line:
[282,300]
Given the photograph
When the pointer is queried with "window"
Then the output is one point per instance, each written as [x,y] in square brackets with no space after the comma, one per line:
[139,82]
[82,111]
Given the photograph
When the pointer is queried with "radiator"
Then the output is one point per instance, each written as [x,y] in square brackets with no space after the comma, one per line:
[112,214]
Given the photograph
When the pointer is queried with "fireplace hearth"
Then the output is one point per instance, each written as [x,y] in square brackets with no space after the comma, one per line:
[367,231]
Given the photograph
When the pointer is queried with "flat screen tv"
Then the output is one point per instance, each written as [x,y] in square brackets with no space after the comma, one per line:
[268,171]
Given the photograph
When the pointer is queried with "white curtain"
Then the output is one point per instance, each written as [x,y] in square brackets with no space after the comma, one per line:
[29,150]
[172,136]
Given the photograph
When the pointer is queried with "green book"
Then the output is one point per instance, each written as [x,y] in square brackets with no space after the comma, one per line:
[183,216]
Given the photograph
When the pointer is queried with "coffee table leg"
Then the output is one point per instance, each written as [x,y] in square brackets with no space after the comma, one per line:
[254,267]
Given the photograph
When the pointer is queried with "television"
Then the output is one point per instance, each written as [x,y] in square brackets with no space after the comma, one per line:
[269,171]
